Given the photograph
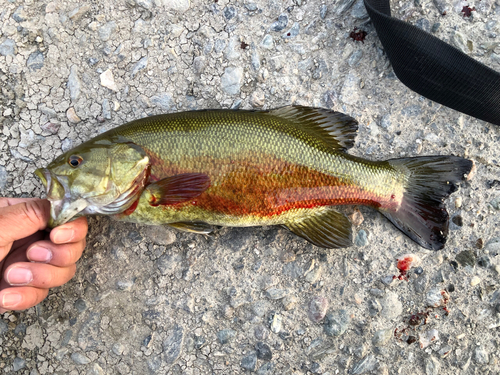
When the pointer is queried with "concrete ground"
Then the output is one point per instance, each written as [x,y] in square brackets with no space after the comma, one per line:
[153,300]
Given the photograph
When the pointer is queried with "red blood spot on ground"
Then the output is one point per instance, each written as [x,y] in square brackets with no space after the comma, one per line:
[358,35]
[467,11]
[404,265]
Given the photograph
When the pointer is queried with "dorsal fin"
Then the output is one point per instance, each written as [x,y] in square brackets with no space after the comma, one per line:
[335,129]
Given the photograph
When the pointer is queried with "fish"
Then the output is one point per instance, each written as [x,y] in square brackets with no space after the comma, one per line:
[288,166]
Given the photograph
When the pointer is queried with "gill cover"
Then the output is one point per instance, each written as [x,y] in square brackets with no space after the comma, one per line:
[97,177]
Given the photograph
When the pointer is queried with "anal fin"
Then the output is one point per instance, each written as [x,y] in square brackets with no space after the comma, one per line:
[325,228]
[193,227]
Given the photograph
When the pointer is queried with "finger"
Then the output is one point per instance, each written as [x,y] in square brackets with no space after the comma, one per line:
[5,202]
[38,275]
[21,298]
[57,255]
[73,231]
[22,220]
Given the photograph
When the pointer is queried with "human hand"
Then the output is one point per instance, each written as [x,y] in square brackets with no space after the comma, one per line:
[31,259]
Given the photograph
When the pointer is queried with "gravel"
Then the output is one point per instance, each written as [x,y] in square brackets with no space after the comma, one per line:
[152,300]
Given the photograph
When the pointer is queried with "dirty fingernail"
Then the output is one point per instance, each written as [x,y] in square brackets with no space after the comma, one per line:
[63,235]
[39,254]
[19,276]
[11,300]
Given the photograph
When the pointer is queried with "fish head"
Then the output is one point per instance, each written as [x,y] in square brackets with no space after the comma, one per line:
[97,177]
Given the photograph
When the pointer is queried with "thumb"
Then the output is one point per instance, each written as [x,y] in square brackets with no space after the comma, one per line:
[21,218]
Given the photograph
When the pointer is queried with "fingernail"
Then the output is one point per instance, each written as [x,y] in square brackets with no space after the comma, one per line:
[11,300]
[64,235]
[19,276]
[39,254]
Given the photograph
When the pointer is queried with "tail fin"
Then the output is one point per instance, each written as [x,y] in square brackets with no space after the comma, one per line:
[422,215]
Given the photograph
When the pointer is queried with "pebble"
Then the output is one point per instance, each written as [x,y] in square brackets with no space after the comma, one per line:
[163,101]
[391,306]
[442,6]
[80,359]
[231,80]
[322,11]
[177,5]
[19,14]
[313,275]
[249,362]
[432,366]
[3,326]
[317,308]
[466,258]
[260,332]
[495,203]
[423,24]
[105,31]
[266,369]
[356,218]
[8,48]
[267,42]
[257,100]
[274,293]
[367,364]
[229,12]
[420,283]
[74,84]
[427,338]
[18,364]
[95,369]
[141,64]
[374,307]
[106,109]
[445,350]
[436,297]
[475,281]
[355,58]
[77,13]
[199,64]
[226,335]
[289,302]
[361,238]
[382,337]
[492,246]
[72,116]
[276,323]
[292,32]
[359,11]
[61,353]
[458,202]
[460,41]
[107,80]
[172,345]
[80,305]
[280,23]
[263,351]
[481,356]
[336,322]
[35,61]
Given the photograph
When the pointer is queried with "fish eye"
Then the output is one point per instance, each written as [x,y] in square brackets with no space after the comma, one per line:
[75,160]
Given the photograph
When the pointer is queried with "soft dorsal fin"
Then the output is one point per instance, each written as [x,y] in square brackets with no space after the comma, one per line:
[324,227]
[335,129]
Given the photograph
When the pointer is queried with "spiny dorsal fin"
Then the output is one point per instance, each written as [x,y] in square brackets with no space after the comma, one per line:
[335,129]
[324,228]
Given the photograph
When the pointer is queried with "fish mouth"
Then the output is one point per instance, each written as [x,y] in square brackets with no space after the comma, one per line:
[62,207]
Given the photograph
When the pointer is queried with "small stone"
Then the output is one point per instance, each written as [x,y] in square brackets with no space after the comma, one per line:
[367,364]
[263,351]
[172,345]
[3,326]
[95,369]
[356,217]
[276,323]
[382,337]
[274,293]
[481,356]
[226,335]
[108,81]
[281,23]
[163,101]
[336,322]
[74,84]
[35,61]
[458,202]
[436,297]
[80,305]
[106,109]
[474,281]
[484,262]
[80,359]
[492,246]
[8,48]
[289,302]
[231,80]
[426,338]
[374,307]
[229,12]
[361,238]
[359,11]
[495,203]
[199,64]
[18,364]
[267,42]
[61,353]
[266,369]
[106,30]
[442,6]
[317,308]
[260,332]
[466,258]
[420,283]
[19,14]
[77,13]
[432,366]
[445,350]
[322,11]
[257,100]
[457,220]
[391,306]
[141,64]
[72,116]
[249,362]
[293,32]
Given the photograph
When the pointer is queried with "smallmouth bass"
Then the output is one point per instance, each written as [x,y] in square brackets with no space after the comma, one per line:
[287,166]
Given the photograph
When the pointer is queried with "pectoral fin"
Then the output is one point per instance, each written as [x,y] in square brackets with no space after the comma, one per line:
[195,227]
[324,228]
[177,189]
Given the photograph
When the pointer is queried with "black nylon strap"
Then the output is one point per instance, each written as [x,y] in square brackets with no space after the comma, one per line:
[435,69]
